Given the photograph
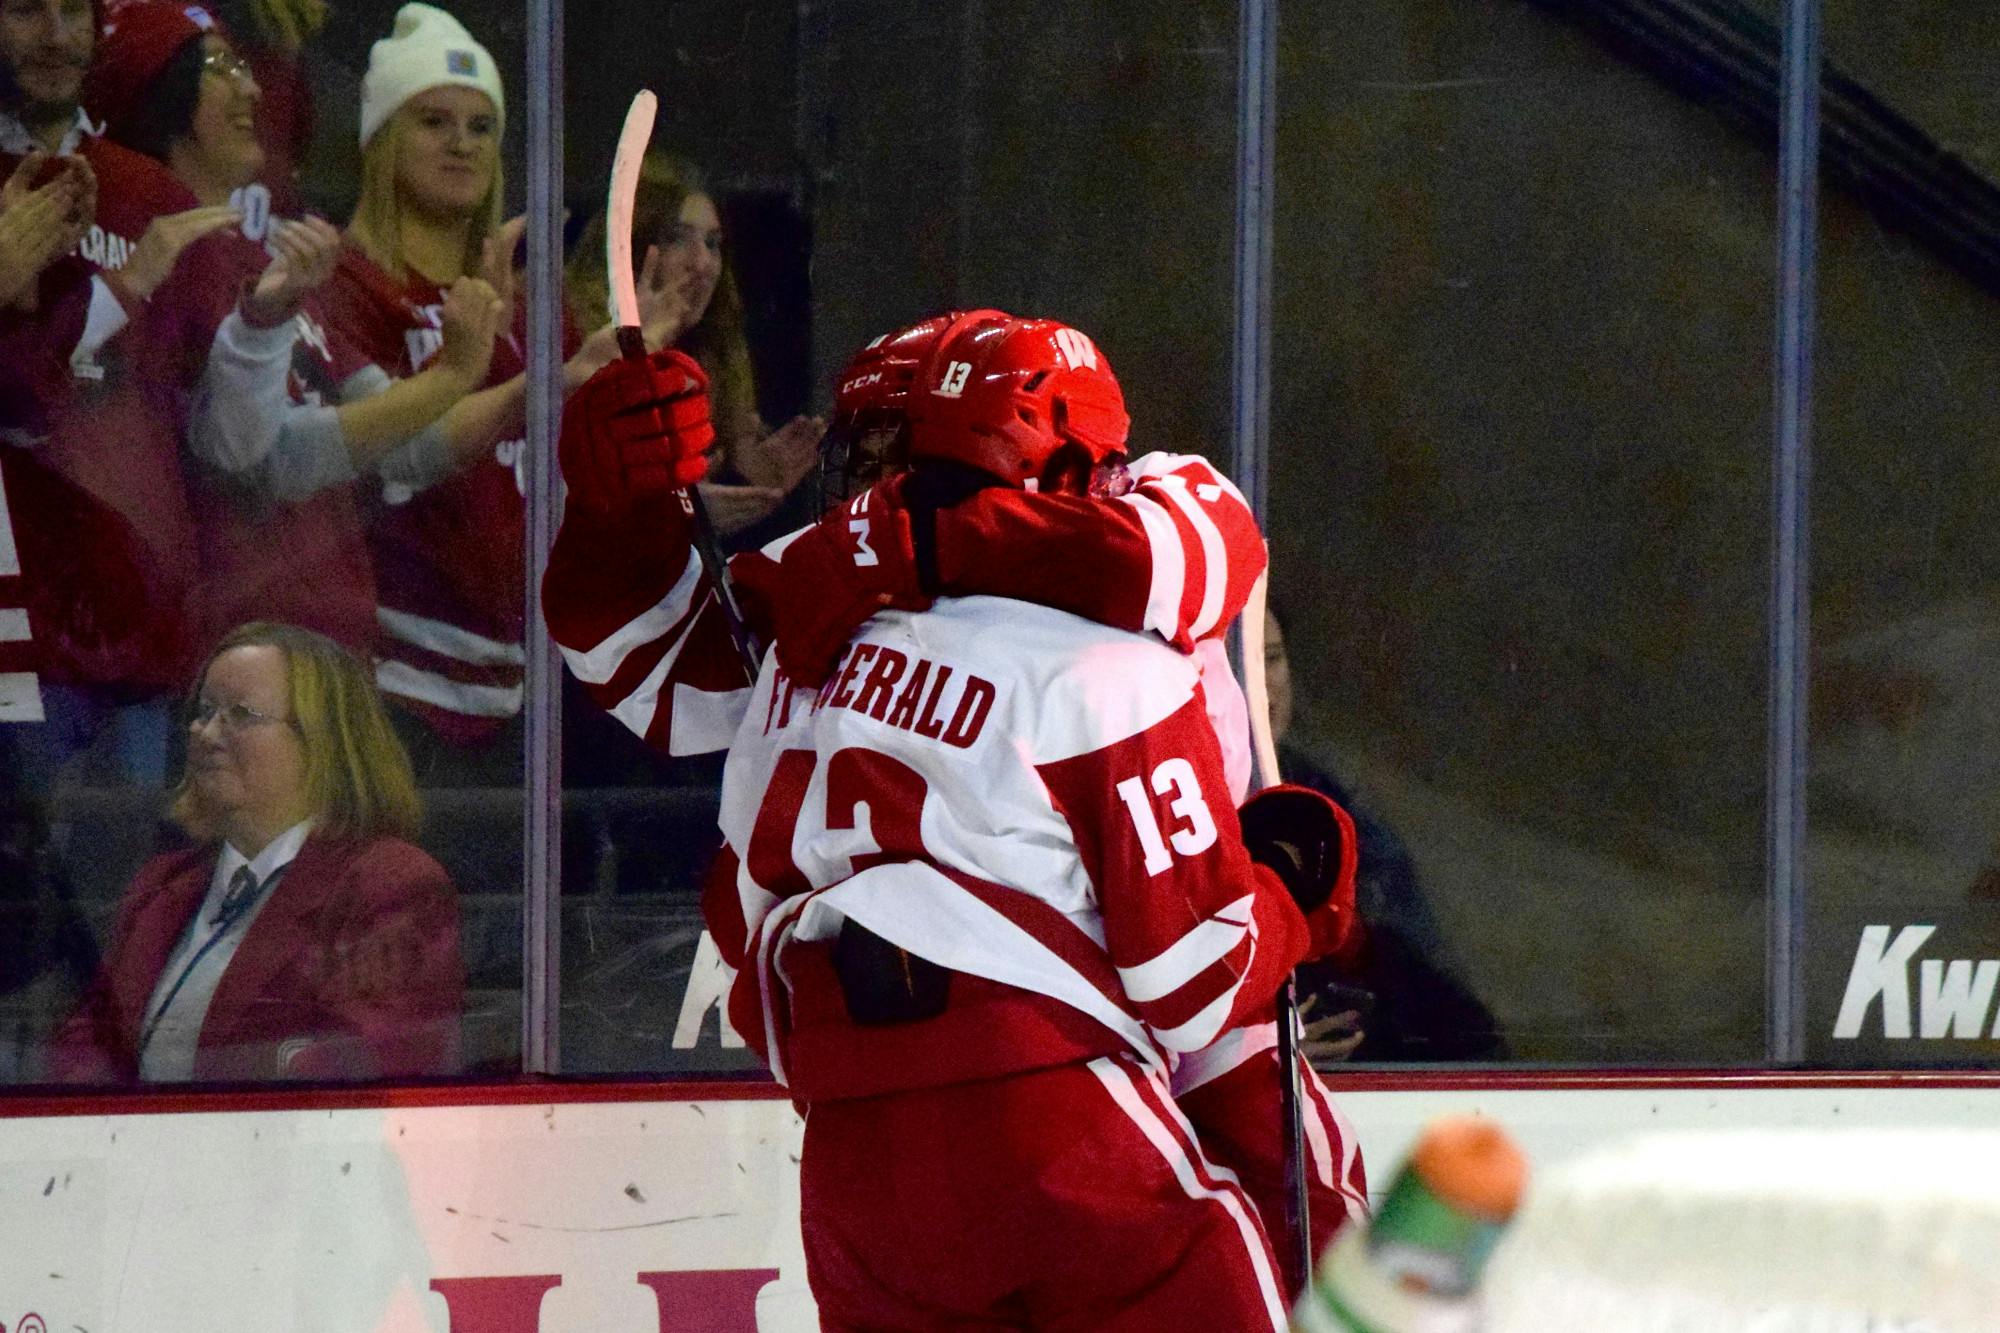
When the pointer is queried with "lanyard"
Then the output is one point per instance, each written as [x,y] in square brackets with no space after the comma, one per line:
[235,907]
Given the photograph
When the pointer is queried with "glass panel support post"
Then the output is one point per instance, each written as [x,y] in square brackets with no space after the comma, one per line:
[1791,478]
[541,879]
[1256,188]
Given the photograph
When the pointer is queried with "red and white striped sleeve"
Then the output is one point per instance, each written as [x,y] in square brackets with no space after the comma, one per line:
[636,618]
[1201,937]
[1205,546]
[1175,556]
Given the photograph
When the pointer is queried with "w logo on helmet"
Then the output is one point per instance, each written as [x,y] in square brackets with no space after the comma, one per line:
[1076,349]
[1023,400]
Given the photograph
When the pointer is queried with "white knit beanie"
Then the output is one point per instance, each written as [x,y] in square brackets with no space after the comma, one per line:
[427,48]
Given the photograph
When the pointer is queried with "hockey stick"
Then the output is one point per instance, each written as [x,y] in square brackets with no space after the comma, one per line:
[1291,1093]
[624,288]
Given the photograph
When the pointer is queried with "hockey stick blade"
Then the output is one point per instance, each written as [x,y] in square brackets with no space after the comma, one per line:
[626,164]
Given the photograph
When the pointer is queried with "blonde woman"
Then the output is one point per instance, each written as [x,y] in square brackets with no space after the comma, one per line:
[689,300]
[302,935]
[448,556]
[286,416]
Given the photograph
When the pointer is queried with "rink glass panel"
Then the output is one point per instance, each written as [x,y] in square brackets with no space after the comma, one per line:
[1518,515]
[1518,482]
[1905,752]
[79,827]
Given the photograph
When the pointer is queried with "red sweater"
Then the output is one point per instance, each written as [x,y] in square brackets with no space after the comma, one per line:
[106,552]
[449,560]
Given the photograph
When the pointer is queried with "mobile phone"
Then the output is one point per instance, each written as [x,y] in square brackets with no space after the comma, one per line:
[1338,997]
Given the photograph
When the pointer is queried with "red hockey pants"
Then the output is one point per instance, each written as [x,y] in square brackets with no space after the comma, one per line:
[1237,1116]
[1073,1198]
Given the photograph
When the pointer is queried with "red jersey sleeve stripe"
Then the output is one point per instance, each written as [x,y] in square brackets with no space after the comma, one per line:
[1190,955]
[1192,1017]
[1185,917]
[1052,930]
[1163,595]
[1240,538]
[1001,934]
[1204,614]
[597,664]
[646,710]
[637,666]
[1215,538]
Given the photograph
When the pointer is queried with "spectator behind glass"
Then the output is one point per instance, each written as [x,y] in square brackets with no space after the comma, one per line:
[271,36]
[45,46]
[1404,1002]
[287,416]
[303,936]
[268,36]
[88,446]
[689,299]
[448,557]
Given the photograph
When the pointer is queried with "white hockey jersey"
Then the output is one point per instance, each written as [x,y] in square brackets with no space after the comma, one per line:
[639,625]
[1017,795]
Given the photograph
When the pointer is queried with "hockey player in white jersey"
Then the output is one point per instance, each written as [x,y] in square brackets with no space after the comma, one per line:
[990,888]
[1174,553]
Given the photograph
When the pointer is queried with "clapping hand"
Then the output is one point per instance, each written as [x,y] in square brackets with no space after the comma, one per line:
[734,508]
[496,263]
[771,464]
[664,312]
[165,239]
[471,321]
[39,224]
[303,255]
[781,459]
[596,352]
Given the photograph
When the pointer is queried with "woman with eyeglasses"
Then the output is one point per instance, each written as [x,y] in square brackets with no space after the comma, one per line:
[286,416]
[301,935]
[274,38]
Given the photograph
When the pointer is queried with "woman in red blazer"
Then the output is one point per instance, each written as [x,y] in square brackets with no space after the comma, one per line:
[304,937]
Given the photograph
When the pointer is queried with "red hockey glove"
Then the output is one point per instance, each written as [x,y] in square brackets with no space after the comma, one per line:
[636,430]
[1308,841]
[856,561]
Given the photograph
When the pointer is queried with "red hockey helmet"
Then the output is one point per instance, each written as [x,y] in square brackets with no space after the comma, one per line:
[1018,399]
[865,437]
[874,389]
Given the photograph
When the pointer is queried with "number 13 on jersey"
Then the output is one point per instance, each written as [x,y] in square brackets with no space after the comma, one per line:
[1194,830]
